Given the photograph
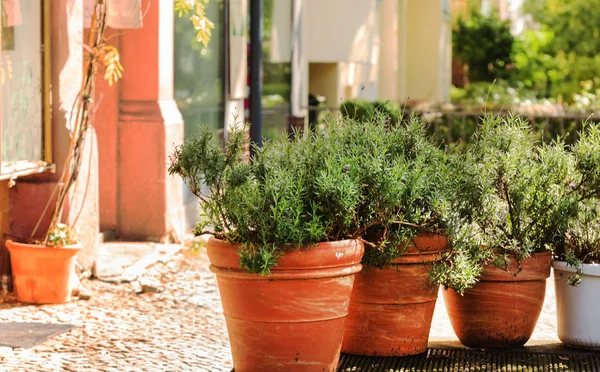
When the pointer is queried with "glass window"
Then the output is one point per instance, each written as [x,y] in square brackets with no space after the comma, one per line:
[21,75]
[199,72]
[199,75]
[277,67]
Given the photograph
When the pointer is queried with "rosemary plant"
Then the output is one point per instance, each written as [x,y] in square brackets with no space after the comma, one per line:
[582,240]
[354,179]
[291,194]
[513,199]
[403,178]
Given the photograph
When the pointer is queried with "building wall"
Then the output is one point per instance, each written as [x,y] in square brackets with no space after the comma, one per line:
[387,49]
[341,30]
[323,80]
[389,54]
[106,124]
[4,218]
[341,37]
[138,128]
[30,195]
[425,50]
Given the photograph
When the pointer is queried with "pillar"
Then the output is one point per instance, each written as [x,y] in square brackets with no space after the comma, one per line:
[425,50]
[388,53]
[150,202]
[106,123]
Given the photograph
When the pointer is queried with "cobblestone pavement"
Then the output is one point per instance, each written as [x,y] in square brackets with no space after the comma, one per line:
[179,329]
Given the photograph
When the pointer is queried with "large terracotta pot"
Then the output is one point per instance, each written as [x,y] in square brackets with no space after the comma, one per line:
[392,308]
[578,307]
[42,275]
[292,319]
[502,309]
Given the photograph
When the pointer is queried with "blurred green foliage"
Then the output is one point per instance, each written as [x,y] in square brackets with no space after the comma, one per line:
[574,24]
[361,110]
[484,44]
[556,59]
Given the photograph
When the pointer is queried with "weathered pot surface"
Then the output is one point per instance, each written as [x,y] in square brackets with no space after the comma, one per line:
[42,275]
[502,309]
[392,308]
[292,319]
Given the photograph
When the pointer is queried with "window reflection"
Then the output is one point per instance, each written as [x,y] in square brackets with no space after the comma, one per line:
[21,79]
[277,69]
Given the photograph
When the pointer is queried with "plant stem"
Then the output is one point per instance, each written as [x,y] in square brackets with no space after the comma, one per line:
[83,103]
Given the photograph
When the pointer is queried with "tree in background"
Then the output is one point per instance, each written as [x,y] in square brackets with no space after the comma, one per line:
[484,45]
[574,24]
[567,60]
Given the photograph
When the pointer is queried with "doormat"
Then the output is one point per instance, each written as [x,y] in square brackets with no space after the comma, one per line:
[26,335]
[441,360]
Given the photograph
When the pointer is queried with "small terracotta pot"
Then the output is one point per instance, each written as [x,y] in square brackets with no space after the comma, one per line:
[502,309]
[292,319]
[41,274]
[392,308]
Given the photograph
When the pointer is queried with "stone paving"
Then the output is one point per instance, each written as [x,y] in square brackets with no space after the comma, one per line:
[178,329]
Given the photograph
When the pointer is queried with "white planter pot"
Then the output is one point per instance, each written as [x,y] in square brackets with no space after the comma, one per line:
[578,308]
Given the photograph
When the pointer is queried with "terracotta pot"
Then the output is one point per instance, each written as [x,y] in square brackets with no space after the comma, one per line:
[292,319]
[392,308]
[502,309]
[42,275]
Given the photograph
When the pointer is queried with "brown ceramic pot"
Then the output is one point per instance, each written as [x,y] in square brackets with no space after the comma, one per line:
[292,319]
[42,275]
[392,308]
[502,309]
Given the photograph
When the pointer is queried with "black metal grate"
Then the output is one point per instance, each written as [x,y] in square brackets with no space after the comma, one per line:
[455,360]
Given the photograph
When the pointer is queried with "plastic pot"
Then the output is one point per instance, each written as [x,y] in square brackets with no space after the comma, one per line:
[578,307]
[41,274]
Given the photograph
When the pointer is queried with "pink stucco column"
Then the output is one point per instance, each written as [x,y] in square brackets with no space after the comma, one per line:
[149,201]
[106,123]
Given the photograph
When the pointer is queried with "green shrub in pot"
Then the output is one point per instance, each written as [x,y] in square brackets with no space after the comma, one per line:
[511,200]
[577,261]
[401,220]
[404,178]
[513,205]
[289,195]
[582,240]
[283,250]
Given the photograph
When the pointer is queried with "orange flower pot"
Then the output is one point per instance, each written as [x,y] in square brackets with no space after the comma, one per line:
[42,275]
[392,308]
[292,319]
[502,309]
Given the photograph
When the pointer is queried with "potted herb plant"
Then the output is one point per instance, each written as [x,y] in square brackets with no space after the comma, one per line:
[577,261]
[283,246]
[512,207]
[42,269]
[401,221]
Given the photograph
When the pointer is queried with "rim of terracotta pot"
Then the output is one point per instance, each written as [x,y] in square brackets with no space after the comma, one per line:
[588,269]
[535,267]
[325,259]
[424,247]
[67,250]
